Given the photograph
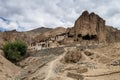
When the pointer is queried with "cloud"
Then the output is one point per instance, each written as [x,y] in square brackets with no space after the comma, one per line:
[30,14]
[7,24]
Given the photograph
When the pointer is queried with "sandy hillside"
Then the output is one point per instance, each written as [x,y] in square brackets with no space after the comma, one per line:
[93,62]
[7,69]
[73,63]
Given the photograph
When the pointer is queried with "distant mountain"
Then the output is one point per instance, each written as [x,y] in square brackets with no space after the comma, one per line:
[53,32]
[40,30]
[56,31]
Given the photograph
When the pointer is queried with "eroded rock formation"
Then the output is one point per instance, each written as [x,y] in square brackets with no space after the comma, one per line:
[112,34]
[89,27]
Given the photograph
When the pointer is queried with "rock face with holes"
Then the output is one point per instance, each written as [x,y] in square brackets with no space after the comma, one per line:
[88,27]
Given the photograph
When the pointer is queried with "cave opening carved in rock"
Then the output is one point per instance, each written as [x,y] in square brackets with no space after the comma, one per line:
[89,37]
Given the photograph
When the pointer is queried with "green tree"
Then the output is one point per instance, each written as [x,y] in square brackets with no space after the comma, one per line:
[15,51]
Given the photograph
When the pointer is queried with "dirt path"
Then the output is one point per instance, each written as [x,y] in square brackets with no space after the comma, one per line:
[52,67]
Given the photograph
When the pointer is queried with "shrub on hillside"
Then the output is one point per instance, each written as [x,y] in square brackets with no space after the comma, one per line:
[72,56]
[14,51]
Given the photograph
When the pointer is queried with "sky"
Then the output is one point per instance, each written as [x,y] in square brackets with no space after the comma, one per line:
[24,15]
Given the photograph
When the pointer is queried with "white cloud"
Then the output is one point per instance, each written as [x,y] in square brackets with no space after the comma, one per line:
[8,26]
[31,14]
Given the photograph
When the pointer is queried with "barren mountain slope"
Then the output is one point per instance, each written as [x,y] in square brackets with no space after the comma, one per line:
[7,69]
[93,63]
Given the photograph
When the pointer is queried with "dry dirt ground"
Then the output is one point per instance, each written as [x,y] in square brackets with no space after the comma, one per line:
[95,63]
[7,69]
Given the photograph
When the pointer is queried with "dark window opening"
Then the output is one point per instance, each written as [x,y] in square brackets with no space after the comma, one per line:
[43,45]
[71,36]
[89,37]
[60,42]
[79,35]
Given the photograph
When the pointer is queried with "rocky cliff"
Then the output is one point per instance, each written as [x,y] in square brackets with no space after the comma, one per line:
[89,27]
[112,34]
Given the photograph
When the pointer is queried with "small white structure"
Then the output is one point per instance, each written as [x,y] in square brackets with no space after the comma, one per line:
[51,42]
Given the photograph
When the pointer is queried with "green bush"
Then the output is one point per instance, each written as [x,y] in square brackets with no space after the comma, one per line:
[15,51]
